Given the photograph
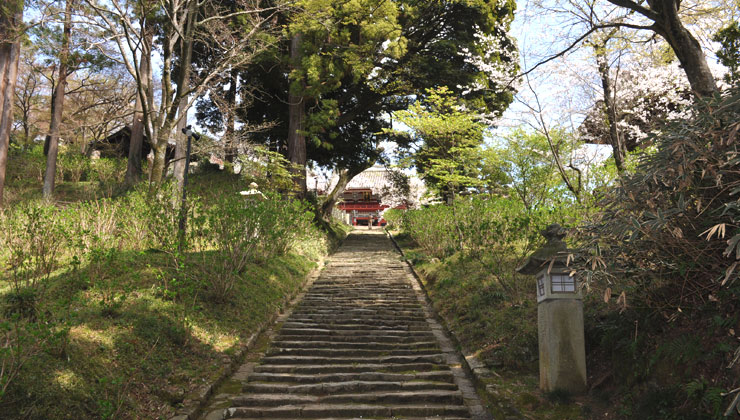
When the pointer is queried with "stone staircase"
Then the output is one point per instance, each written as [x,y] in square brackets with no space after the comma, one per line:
[360,344]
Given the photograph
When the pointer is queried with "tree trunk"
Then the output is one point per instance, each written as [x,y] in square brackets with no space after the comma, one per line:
[296,116]
[686,48]
[133,170]
[345,176]
[231,148]
[56,118]
[611,110]
[182,144]
[159,148]
[10,19]
[171,107]
[186,57]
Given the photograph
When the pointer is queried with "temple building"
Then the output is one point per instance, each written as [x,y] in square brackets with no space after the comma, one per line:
[362,201]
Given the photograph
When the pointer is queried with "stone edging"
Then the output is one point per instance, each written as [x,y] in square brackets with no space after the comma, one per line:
[473,364]
[198,401]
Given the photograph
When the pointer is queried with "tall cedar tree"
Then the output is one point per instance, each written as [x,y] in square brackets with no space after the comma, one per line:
[11,20]
[357,64]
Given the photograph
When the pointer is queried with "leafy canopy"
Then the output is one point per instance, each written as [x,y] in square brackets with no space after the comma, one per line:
[448,137]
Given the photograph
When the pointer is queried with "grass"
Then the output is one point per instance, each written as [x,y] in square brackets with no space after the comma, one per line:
[631,355]
[128,334]
[134,352]
[497,325]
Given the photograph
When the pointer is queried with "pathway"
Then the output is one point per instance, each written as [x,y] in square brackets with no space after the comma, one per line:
[362,343]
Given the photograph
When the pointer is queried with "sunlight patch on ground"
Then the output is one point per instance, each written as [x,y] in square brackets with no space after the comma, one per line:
[83,333]
[219,341]
[67,379]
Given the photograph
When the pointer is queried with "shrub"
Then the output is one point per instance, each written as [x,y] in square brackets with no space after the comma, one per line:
[245,231]
[21,341]
[394,217]
[34,238]
[108,173]
[669,232]
[73,167]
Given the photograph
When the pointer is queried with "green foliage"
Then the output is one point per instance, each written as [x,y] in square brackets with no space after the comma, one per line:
[448,139]
[362,60]
[247,231]
[32,244]
[529,169]
[479,227]
[105,305]
[21,340]
[73,167]
[108,173]
[394,218]
[270,170]
[665,239]
[729,51]
[676,215]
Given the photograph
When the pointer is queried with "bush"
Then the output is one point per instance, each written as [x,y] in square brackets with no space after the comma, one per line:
[73,167]
[34,239]
[667,241]
[247,231]
[108,173]
[21,341]
[673,224]
[479,227]
[394,217]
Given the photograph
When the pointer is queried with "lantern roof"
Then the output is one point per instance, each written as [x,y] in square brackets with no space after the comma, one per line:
[553,250]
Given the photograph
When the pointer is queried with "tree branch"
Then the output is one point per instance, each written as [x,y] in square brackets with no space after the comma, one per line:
[629,4]
[575,43]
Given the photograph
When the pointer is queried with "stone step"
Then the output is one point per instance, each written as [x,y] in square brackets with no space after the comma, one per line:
[361,311]
[402,300]
[335,388]
[352,360]
[370,326]
[350,368]
[382,398]
[314,411]
[329,352]
[400,397]
[333,377]
[350,318]
[360,323]
[357,418]
[358,346]
[285,344]
[361,333]
[404,339]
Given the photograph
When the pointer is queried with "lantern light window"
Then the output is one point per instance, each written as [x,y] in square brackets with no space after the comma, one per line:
[563,283]
[541,285]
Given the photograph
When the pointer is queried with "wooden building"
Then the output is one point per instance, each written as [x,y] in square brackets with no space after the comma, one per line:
[361,203]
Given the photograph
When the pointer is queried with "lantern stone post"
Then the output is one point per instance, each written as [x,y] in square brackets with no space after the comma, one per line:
[559,316]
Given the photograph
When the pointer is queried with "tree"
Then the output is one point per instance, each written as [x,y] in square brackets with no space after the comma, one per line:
[180,23]
[356,71]
[644,97]
[11,21]
[448,139]
[530,167]
[98,104]
[28,96]
[666,22]
[402,190]
[729,52]
[58,103]
[600,47]
[144,93]
[661,17]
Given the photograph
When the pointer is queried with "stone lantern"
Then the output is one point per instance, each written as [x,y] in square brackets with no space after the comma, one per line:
[559,316]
